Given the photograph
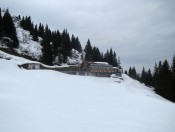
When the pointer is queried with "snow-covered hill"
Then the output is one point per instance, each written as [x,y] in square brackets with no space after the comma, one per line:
[33,49]
[26,45]
[49,101]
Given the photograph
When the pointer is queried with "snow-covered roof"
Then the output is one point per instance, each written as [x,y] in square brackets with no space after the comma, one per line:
[103,63]
[100,63]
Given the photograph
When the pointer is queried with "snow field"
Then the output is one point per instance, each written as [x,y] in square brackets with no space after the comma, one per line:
[44,100]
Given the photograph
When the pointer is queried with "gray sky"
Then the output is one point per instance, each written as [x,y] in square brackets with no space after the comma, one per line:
[141,32]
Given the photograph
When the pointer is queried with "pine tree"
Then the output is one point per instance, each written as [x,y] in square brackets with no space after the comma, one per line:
[173,80]
[130,72]
[96,55]
[159,66]
[115,62]
[164,81]
[173,67]
[7,23]
[143,76]
[32,29]
[148,81]
[134,74]
[56,46]
[41,30]
[35,33]
[99,57]
[88,51]
[65,45]
[73,41]
[26,23]
[9,29]
[110,59]
[29,25]
[155,76]
[106,56]
[78,46]
[48,33]
[158,78]
[47,53]
[1,30]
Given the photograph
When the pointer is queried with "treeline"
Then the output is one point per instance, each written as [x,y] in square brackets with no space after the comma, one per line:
[162,79]
[56,46]
[94,54]
[62,45]
[7,29]
[132,73]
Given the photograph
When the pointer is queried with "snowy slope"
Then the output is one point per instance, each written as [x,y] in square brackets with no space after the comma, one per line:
[15,59]
[49,101]
[33,48]
[76,58]
[26,45]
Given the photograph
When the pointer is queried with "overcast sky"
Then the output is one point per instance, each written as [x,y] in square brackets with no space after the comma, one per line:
[141,32]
